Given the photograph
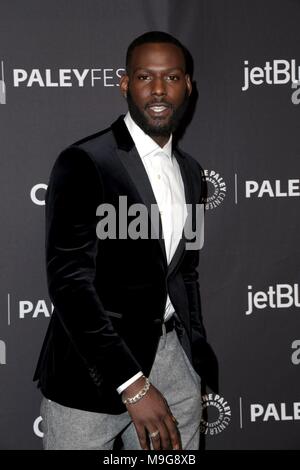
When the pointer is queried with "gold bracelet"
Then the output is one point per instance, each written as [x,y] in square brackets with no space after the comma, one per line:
[139,395]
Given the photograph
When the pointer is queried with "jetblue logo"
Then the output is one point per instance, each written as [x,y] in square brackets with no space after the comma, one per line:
[276,72]
[279,296]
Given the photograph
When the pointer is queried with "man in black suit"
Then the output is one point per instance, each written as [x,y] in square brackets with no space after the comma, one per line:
[122,354]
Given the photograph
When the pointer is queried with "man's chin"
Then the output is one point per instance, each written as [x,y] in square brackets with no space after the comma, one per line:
[158,127]
[158,131]
[152,126]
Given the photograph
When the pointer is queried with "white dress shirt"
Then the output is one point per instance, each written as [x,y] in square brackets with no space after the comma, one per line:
[164,175]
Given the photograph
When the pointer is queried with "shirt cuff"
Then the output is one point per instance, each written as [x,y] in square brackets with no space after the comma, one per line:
[129,382]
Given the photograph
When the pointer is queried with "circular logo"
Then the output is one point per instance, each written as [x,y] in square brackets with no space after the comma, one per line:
[216,414]
[216,189]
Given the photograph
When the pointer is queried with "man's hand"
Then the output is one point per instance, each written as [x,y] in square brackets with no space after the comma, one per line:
[150,414]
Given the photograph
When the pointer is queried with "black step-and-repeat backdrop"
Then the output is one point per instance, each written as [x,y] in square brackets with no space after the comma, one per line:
[60,67]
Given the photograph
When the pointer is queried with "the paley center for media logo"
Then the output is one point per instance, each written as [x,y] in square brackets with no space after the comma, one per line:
[216,189]
[216,414]
[58,78]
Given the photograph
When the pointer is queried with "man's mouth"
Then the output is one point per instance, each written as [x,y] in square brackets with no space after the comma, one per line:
[160,109]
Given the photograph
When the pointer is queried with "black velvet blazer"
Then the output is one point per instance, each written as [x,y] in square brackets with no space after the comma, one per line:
[109,295]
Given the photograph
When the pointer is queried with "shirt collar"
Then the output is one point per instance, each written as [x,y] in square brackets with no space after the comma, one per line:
[143,142]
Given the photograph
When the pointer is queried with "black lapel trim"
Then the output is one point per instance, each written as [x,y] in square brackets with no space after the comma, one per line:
[136,170]
[122,134]
[184,170]
[126,142]
[130,159]
[138,174]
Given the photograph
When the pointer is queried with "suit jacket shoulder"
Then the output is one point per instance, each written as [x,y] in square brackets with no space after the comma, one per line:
[192,161]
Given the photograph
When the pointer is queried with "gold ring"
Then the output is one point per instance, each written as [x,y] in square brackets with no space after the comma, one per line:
[154,434]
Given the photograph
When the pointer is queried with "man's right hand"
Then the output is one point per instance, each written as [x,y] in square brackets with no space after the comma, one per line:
[150,414]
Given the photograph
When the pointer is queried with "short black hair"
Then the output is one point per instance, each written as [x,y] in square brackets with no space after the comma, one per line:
[156,37]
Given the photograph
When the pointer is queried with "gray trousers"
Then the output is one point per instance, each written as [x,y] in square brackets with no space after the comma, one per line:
[172,374]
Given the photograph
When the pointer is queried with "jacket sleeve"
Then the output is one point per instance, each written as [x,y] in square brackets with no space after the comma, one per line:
[73,194]
[190,277]
[191,258]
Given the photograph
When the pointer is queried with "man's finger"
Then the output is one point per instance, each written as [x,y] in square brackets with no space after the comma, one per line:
[165,438]
[155,437]
[173,433]
[174,420]
[142,436]
[170,412]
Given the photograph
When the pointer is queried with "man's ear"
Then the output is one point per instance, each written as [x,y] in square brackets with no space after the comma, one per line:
[124,85]
[188,83]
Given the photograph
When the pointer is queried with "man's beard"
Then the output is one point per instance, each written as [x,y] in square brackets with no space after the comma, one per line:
[159,129]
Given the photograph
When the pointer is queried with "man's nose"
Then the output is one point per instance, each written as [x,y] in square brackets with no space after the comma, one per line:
[158,87]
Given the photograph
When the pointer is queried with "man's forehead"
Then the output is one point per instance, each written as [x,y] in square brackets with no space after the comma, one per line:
[157,57]
[152,69]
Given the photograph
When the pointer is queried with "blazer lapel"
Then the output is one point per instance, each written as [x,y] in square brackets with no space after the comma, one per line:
[182,162]
[132,162]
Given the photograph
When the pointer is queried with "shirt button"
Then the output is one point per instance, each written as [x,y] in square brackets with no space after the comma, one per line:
[158,176]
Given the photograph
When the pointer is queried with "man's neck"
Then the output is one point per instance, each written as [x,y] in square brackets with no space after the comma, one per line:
[161,140]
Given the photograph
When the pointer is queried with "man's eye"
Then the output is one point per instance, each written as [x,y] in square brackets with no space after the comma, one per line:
[143,77]
[173,77]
